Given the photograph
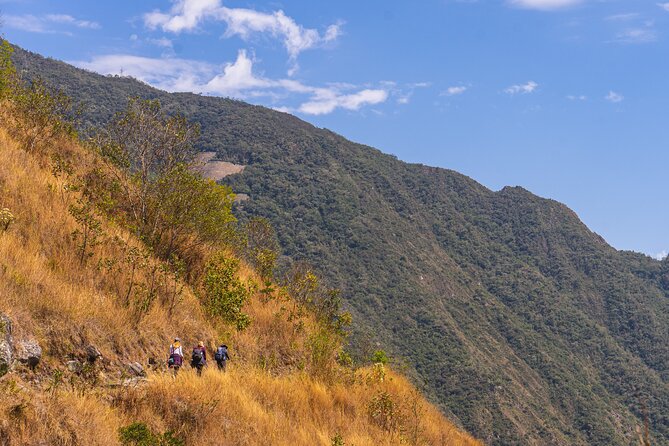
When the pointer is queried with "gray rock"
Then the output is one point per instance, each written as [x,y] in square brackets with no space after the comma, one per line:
[29,353]
[92,353]
[136,369]
[73,366]
[6,350]
[133,382]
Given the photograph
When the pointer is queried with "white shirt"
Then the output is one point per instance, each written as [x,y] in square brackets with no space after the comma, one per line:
[176,350]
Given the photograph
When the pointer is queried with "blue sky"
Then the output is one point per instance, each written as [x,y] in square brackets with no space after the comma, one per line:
[567,98]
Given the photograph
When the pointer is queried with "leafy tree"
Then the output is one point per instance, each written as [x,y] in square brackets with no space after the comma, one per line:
[150,144]
[8,77]
[182,204]
[223,293]
[172,207]
[43,114]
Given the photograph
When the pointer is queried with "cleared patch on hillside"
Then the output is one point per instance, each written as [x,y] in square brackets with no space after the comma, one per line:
[216,169]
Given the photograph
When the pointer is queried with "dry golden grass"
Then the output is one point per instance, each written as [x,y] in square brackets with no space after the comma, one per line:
[269,395]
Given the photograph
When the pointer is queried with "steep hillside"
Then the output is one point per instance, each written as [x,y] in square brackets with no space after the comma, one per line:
[77,322]
[514,316]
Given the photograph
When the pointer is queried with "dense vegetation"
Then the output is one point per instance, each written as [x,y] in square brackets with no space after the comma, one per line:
[102,265]
[516,318]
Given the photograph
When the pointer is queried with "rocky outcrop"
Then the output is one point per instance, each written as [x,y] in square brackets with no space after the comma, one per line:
[73,366]
[24,351]
[29,353]
[136,369]
[92,353]
[6,350]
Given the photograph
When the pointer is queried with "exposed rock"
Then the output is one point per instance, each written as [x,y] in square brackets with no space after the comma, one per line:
[6,351]
[29,353]
[136,369]
[133,382]
[92,353]
[73,366]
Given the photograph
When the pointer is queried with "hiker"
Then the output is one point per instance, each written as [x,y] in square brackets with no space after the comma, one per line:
[176,358]
[199,358]
[221,357]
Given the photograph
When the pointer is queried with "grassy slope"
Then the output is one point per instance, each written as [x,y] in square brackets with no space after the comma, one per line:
[519,321]
[52,298]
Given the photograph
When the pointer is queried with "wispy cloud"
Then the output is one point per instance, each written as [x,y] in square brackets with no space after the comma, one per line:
[188,15]
[637,35]
[661,255]
[544,5]
[664,6]
[454,91]
[614,97]
[573,97]
[236,79]
[404,93]
[47,23]
[622,17]
[529,87]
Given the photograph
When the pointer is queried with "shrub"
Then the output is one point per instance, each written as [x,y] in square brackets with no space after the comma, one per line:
[138,434]
[384,412]
[380,357]
[43,114]
[6,218]
[7,70]
[223,293]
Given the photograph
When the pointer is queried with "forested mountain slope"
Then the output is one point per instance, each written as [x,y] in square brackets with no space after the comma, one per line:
[516,318]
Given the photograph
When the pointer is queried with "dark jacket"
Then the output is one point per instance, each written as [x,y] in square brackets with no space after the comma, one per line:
[204,354]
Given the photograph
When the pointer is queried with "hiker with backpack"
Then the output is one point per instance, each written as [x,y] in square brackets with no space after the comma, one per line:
[199,358]
[176,358]
[221,357]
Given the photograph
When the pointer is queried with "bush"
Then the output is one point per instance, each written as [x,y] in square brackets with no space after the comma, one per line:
[6,219]
[138,434]
[7,70]
[380,357]
[384,412]
[223,293]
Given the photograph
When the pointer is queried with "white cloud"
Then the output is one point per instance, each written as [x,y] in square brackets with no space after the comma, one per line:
[327,101]
[162,42]
[637,35]
[46,23]
[614,97]
[529,87]
[453,91]
[544,5]
[69,20]
[573,97]
[237,79]
[661,255]
[664,6]
[622,17]
[187,15]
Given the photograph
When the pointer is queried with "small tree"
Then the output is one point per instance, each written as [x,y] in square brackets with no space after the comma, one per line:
[223,293]
[184,204]
[8,77]
[90,229]
[149,144]
[43,114]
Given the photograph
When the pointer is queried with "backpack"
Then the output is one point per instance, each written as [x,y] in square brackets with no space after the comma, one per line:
[221,354]
[197,359]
